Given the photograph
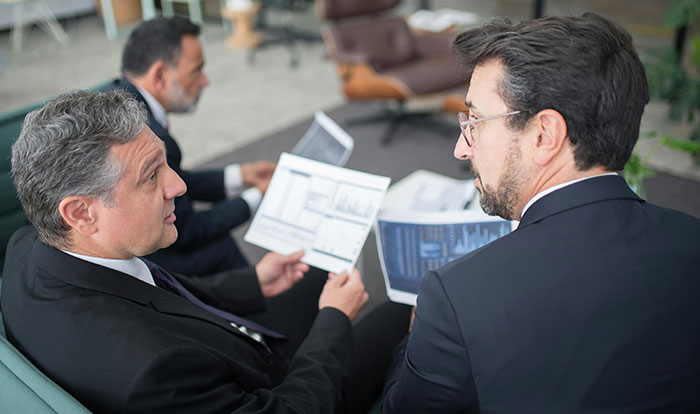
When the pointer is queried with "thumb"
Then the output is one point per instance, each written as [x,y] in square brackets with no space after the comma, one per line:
[295,257]
[340,279]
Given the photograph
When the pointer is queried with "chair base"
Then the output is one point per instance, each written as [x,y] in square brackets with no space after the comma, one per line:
[287,36]
[285,33]
[397,117]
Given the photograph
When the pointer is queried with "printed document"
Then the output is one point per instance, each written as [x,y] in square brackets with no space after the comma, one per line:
[326,210]
[424,190]
[412,243]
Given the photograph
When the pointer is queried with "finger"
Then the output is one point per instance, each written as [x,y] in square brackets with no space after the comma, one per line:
[355,277]
[303,267]
[296,256]
[341,279]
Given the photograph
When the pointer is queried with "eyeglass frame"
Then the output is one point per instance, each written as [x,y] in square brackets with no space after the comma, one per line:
[466,131]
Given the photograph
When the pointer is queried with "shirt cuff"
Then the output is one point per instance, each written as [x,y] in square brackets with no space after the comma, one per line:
[233,179]
[253,197]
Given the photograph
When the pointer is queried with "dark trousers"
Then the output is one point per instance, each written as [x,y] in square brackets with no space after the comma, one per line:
[376,336]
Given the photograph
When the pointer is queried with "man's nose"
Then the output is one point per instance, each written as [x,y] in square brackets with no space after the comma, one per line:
[174,186]
[462,150]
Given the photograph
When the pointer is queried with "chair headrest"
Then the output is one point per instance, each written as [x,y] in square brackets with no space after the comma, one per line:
[341,9]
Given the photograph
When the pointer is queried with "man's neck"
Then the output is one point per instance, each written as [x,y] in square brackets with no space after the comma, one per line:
[92,248]
[142,83]
[154,101]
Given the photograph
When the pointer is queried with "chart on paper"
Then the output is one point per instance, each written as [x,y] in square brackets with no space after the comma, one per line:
[412,243]
[325,210]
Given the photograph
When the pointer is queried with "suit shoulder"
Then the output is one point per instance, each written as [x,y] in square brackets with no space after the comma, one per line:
[25,234]
[486,259]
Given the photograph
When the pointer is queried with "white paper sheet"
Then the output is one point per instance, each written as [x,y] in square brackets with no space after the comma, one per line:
[326,210]
[325,141]
[424,190]
[412,243]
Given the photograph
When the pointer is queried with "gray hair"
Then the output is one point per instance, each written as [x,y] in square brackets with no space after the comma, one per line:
[64,150]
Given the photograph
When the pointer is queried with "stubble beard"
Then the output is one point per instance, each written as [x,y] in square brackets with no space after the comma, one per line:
[502,200]
[178,100]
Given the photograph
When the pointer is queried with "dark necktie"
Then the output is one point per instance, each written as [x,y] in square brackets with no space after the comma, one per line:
[165,280]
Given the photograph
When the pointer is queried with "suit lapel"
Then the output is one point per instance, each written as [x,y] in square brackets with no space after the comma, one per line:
[575,195]
[86,275]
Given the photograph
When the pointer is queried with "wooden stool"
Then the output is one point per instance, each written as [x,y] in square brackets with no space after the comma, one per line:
[243,34]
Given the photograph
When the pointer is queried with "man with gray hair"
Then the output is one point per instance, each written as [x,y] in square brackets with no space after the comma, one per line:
[122,334]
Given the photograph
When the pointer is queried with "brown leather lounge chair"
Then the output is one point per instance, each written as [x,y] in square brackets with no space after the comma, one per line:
[380,58]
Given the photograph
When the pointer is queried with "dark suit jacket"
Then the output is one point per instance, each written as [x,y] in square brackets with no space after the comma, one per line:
[195,228]
[591,305]
[120,345]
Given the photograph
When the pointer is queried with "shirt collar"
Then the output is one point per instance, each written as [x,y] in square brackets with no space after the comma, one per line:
[555,188]
[159,113]
[133,267]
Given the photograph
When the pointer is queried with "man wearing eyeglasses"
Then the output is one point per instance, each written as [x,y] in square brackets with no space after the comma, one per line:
[591,305]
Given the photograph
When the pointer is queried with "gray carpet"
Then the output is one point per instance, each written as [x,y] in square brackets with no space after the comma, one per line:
[411,149]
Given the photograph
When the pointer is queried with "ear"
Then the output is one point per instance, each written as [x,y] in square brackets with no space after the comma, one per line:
[78,213]
[552,132]
[157,77]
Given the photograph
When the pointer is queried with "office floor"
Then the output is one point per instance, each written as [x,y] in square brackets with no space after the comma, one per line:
[248,101]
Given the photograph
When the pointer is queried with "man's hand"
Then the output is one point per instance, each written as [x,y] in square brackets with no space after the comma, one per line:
[413,317]
[277,273]
[344,292]
[257,174]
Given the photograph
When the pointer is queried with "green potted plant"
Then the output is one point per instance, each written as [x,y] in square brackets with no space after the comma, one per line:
[679,86]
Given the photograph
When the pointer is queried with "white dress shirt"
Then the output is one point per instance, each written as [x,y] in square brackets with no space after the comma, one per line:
[133,267]
[555,188]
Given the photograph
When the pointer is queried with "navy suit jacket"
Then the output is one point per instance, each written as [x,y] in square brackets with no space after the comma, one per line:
[591,305]
[121,345]
[195,228]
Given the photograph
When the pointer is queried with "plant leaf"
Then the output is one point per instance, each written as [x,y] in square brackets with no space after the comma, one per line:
[682,12]
[683,145]
[695,51]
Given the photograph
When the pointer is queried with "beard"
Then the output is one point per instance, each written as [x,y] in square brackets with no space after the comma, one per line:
[502,201]
[178,101]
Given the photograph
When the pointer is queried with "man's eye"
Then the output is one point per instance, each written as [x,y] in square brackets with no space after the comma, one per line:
[153,176]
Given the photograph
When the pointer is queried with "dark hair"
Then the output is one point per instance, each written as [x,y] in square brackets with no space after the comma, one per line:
[584,67]
[154,40]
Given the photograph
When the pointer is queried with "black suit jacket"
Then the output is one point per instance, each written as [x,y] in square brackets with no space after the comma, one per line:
[591,305]
[195,228]
[120,345]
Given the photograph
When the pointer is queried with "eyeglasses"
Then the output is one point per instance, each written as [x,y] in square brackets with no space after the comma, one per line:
[466,124]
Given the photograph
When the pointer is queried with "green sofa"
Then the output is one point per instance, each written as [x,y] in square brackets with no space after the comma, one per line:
[11,215]
[23,388]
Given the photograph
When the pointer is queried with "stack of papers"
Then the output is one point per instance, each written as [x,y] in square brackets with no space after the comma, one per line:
[441,20]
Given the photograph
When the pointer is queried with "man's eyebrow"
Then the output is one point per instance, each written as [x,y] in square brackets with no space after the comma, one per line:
[470,105]
[157,159]
[198,67]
